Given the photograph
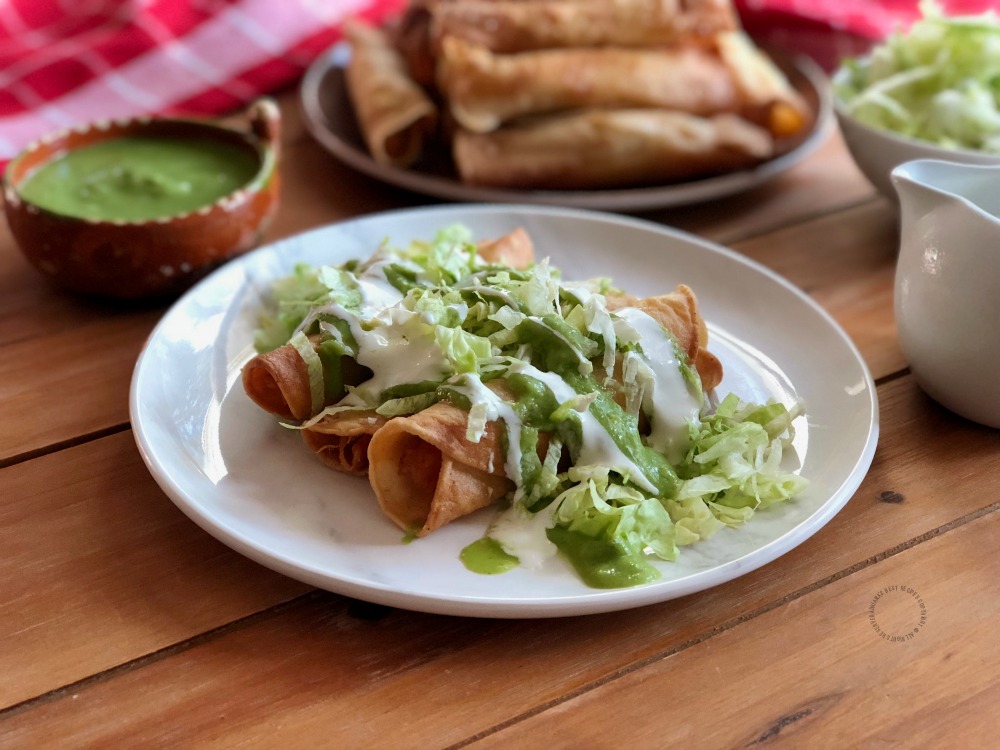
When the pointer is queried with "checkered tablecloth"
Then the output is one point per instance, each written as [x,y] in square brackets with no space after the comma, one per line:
[66,62]
[805,26]
[873,19]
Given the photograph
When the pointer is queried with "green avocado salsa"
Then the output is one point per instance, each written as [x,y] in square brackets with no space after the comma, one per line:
[140,178]
[487,557]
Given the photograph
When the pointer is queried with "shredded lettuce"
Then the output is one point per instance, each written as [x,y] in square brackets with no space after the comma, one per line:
[398,407]
[599,508]
[449,257]
[464,350]
[294,296]
[939,81]
[314,366]
[732,469]
[734,463]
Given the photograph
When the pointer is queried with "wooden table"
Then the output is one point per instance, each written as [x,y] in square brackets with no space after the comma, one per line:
[124,625]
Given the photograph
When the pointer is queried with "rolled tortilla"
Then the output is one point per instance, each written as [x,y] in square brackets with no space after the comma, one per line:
[518,26]
[341,440]
[394,113]
[768,96]
[412,38]
[678,312]
[485,90]
[514,249]
[425,473]
[278,382]
[605,149]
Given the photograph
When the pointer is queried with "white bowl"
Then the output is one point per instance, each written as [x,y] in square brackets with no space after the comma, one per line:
[877,152]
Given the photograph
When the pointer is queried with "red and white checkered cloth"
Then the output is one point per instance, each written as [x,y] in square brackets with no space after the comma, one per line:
[829,30]
[66,62]
[874,19]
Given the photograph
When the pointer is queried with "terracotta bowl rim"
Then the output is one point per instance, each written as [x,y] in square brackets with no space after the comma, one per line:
[266,154]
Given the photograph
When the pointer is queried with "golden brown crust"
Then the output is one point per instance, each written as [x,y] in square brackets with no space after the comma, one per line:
[767,96]
[484,90]
[597,149]
[678,312]
[278,382]
[395,114]
[425,473]
[509,26]
[341,440]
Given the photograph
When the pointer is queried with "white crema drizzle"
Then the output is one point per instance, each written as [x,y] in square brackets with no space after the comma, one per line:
[597,447]
[491,407]
[383,332]
[667,397]
[377,293]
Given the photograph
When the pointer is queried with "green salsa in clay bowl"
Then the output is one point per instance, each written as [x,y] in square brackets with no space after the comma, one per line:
[141,208]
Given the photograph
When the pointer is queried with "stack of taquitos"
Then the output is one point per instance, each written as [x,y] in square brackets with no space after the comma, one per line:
[591,93]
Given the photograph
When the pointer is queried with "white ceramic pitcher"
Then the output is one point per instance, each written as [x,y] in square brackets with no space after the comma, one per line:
[947,293]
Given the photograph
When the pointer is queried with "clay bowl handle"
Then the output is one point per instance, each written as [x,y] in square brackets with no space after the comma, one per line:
[264,120]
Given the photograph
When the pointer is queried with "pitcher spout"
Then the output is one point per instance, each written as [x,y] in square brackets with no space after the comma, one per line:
[924,185]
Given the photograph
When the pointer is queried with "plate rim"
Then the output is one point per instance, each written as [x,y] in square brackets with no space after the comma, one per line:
[594,602]
[624,199]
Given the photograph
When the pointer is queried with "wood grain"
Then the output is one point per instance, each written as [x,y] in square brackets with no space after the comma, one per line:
[326,668]
[833,678]
[318,189]
[71,383]
[123,624]
[99,567]
[846,262]
[826,181]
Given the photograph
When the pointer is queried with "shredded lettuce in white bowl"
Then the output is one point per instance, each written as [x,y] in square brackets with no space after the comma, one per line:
[938,81]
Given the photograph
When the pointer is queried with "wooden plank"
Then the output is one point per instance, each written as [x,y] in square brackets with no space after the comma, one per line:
[70,383]
[833,679]
[317,189]
[31,307]
[99,567]
[321,671]
[825,181]
[847,262]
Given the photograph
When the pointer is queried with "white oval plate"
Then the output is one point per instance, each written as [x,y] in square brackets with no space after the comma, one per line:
[255,486]
[330,118]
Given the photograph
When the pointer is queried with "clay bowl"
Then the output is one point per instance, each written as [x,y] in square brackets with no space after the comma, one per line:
[149,258]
